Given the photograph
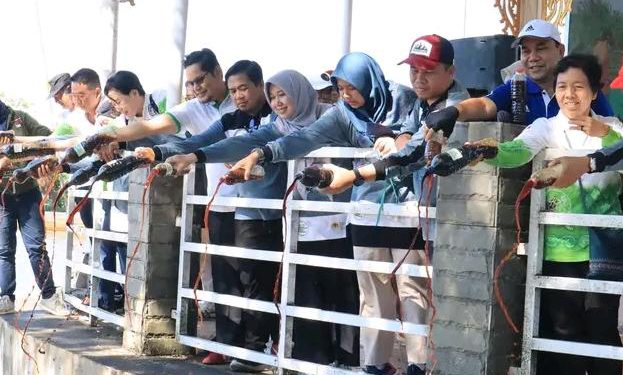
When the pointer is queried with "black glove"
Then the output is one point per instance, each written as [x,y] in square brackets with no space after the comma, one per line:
[443,119]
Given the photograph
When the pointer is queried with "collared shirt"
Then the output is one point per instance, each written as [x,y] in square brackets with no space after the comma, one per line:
[193,116]
[538,102]
[426,108]
[225,106]
[105,108]
[243,120]
[454,95]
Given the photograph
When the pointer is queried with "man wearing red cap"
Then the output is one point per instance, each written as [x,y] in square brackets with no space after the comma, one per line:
[431,62]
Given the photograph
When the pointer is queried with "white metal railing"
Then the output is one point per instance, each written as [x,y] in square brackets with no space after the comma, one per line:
[535,281]
[90,266]
[290,260]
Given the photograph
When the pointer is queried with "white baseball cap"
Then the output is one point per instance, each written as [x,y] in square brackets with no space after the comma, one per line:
[538,29]
[317,82]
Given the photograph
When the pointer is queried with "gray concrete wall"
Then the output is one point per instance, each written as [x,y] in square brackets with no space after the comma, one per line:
[152,277]
[475,229]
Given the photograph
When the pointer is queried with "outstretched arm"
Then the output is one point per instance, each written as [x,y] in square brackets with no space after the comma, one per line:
[212,134]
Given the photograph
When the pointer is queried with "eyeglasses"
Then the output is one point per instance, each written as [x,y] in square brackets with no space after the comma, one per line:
[197,81]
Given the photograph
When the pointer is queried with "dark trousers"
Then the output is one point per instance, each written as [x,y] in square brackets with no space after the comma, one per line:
[111,293]
[577,316]
[251,279]
[23,210]
[326,289]
[221,232]
[86,212]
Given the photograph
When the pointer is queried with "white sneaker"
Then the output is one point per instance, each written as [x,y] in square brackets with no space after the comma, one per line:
[6,305]
[55,305]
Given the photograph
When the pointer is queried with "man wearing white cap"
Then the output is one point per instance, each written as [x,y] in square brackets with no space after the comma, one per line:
[541,49]
[324,88]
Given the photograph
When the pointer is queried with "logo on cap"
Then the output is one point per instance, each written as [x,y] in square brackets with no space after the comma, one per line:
[529,28]
[422,48]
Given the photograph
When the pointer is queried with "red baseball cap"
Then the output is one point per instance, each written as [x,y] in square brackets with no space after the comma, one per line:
[430,50]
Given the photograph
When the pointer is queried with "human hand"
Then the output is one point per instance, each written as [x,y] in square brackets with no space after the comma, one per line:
[182,163]
[573,167]
[6,137]
[146,153]
[5,163]
[247,164]
[108,151]
[342,179]
[590,126]
[45,170]
[443,119]
[385,146]
[103,120]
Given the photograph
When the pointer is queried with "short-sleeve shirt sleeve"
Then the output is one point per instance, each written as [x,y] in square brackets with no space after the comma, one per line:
[501,96]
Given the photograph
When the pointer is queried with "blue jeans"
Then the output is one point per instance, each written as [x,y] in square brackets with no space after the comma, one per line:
[108,252]
[23,210]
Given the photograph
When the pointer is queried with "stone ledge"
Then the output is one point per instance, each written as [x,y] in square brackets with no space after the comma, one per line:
[77,348]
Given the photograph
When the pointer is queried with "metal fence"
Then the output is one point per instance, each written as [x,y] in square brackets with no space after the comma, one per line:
[82,263]
[290,260]
[535,282]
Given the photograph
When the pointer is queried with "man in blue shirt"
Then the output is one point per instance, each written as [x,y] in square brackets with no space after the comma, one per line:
[541,49]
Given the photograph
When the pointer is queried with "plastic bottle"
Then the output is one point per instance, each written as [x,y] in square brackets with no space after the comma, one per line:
[518,97]
[315,176]
[546,176]
[22,174]
[433,146]
[237,176]
[86,147]
[119,167]
[450,161]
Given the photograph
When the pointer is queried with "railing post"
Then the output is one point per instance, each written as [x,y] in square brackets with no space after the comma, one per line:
[152,277]
[475,230]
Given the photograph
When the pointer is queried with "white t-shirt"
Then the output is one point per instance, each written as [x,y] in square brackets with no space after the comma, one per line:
[194,117]
[77,120]
[119,219]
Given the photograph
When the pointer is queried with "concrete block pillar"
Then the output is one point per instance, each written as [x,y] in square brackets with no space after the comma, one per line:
[475,229]
[152,277]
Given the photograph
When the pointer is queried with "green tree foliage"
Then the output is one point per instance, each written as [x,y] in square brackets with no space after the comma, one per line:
[15,103]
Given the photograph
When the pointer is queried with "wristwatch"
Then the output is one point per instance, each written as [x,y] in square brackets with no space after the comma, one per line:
[592,164]
[260,155]
[596,162]
[358,178]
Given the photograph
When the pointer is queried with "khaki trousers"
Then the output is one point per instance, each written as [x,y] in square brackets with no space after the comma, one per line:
[378,300]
